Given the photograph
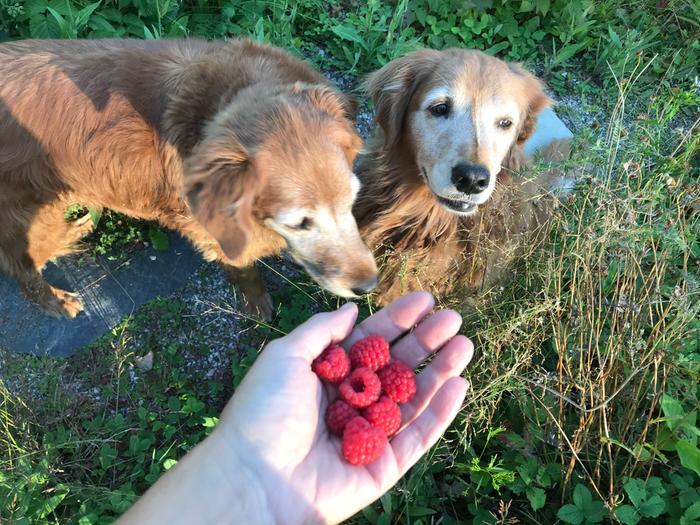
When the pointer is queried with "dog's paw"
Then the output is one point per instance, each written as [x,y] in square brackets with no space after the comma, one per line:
[64,304]
[259,306]
[81,227]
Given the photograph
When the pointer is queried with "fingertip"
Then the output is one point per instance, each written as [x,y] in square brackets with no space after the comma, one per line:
[452,318]
[458,386]
[448,400]
[423,296]
[322,329]
[466,348]
[348,306]
[410,309]
[417,301]
[470,345]
[346,317]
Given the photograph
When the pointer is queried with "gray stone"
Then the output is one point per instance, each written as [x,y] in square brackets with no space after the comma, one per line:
[549,127]
[109,290]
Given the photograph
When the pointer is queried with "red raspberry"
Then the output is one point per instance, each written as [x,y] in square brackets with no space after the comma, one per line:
[372,352]
[338,414]
[332,365]
[361,388]
[398,381]
[384,414]
[362,443]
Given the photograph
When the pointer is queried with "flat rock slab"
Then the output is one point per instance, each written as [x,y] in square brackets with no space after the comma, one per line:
[111,291]
[549,127]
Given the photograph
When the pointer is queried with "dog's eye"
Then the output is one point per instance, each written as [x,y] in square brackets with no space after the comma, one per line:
[505,123]
[439,110]
[305,224]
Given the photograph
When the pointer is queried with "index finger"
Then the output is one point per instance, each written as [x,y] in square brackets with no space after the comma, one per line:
[394,319]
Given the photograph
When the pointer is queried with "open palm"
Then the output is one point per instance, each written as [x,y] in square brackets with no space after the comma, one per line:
[275,420]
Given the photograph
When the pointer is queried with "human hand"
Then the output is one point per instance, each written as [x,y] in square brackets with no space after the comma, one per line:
[273,428]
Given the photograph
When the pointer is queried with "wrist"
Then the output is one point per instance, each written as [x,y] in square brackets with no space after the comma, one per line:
[209,485]
[242,496]
[270,495]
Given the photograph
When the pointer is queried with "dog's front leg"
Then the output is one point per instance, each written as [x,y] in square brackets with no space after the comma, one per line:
[256,300]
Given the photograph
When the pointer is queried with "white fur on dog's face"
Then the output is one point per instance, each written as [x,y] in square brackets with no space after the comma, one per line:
[478,128]
[456,108]
[318,235]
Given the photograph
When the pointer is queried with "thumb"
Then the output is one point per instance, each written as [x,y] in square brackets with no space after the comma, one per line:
[309,339]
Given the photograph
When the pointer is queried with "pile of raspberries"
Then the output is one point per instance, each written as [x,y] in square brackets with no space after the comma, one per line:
[370,386]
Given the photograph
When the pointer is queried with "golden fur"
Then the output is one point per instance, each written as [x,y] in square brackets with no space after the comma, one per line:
[211,139]
[419,243]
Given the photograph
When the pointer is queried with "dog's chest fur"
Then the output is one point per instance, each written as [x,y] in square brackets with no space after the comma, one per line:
[422,246]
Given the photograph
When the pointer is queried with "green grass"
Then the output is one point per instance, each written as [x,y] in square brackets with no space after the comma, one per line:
[585,390]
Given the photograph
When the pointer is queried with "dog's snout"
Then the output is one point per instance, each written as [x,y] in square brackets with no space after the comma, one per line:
[366,286]
[470,178]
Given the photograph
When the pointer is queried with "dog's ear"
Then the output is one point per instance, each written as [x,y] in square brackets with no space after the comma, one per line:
[392,88]
[221,184]
[341,108]
[348,139]
[338,105]
[537,100]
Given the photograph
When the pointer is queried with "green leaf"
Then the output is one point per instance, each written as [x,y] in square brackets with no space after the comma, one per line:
[66,30]
[627,514]
[542,6]
[672,410]
[654,485]
[483,517]
[636,491]
[417,512]
[614,38]
[386,503]
[173,403]
[536,497]
[34,7]
[370,515]
[210,422]
[689,454]
[384,519]
[84,14]
[570,514]
[159,239]
[49,505]
[496,48]
[349,33]
[582,496]
[95,215]
[652,507]
[169,463]
[39,27]
[528,471]
[567,52]
[107,455]
[665,439]
[595,512]
[692,512]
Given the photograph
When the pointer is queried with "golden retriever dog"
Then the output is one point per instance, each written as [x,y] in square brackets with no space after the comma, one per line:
[440,203]
[240,147]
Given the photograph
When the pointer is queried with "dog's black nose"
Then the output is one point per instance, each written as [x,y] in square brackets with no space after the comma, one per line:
[470,178]
[366,286]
